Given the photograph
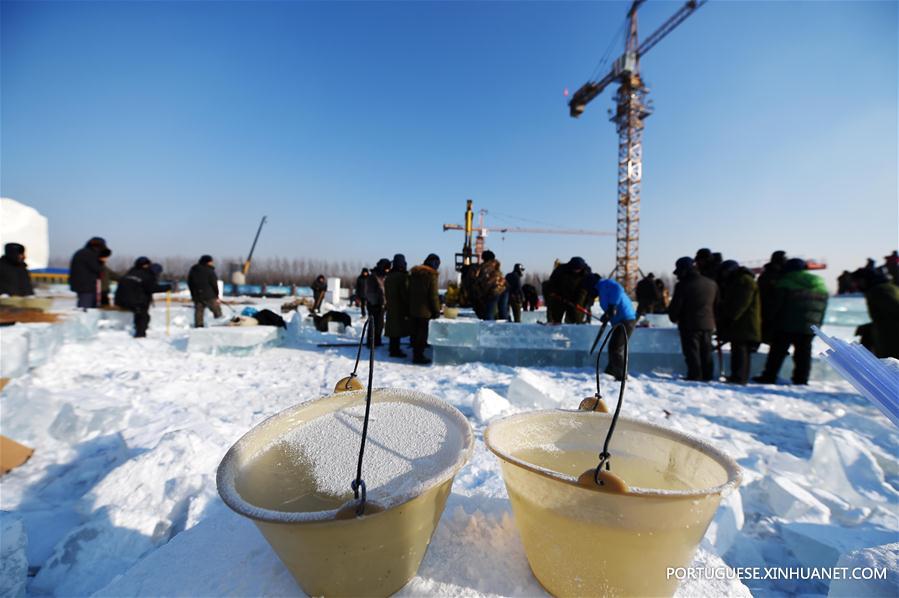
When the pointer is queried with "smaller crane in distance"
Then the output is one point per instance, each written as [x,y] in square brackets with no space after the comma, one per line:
[469,256]
[239,277]
[630,112]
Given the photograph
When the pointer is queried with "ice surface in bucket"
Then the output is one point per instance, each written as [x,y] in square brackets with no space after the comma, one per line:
[581,541]
[292,473]
[310,468]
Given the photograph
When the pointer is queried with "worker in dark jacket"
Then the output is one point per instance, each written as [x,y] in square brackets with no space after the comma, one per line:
[14,277]
[617,309]
[513,287]
[767,281]
[319,286]
[882,297]
[84,272]
[360,289]
[377,301]
[204,289]
[424,305]
[739,318]
[799,302]
[531,297]
[648,295]
[396,294]
[135,293]
[565,291]
[693,310]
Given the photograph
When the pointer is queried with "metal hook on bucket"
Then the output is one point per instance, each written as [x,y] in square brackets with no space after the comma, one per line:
[604,455]
[358,484]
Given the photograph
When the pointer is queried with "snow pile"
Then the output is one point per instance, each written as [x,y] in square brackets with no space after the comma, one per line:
[139,506]
[13,561]
[533,390]
[884,557]
[14,344]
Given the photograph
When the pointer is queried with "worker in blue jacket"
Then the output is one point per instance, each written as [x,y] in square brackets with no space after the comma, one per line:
[617,309]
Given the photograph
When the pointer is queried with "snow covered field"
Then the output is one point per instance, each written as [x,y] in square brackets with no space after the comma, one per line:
[120,498]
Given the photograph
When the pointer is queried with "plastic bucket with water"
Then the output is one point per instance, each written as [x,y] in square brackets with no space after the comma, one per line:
[372,555]
[582,541]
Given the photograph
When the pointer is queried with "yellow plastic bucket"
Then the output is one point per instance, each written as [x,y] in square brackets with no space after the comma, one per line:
[586,542]
[372,555]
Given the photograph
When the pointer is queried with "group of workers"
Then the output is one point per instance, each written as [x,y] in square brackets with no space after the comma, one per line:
[400,303]
[715,302]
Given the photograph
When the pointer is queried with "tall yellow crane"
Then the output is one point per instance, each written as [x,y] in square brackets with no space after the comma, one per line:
[630,112]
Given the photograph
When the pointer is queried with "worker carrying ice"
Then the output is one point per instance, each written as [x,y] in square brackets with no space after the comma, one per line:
[617,309]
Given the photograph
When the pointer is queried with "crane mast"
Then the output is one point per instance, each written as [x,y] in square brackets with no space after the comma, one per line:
[631,110]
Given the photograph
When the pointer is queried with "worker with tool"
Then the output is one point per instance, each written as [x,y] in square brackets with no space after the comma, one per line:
[617,309]
[565,292]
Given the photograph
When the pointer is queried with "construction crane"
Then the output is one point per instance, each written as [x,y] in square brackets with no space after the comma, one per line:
[239,277]
[630,112]
[469,256]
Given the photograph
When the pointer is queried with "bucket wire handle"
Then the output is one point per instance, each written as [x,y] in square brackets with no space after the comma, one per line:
[358,484]
[605,456]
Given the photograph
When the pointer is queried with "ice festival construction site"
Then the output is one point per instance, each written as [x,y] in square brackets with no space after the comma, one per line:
[450,299]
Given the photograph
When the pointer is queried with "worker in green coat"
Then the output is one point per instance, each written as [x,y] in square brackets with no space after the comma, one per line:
[739,318]
[396,291]
[800,300]
[882,297]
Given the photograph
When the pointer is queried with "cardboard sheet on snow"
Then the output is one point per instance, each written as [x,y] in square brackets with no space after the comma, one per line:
[12,454]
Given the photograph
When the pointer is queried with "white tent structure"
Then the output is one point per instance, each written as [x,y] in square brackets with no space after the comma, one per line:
[23,224]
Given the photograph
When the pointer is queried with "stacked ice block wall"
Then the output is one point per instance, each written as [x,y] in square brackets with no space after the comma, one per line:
[655,348]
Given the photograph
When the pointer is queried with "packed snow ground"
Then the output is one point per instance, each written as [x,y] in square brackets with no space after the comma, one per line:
[120,493]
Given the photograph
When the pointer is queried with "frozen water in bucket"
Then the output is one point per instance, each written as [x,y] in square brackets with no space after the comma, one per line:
[292,473]
[583,541]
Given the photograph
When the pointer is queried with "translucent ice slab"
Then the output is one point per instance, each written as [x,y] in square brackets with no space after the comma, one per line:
[232,339]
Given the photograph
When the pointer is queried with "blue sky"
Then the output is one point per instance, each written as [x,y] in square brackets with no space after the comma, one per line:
[360,128]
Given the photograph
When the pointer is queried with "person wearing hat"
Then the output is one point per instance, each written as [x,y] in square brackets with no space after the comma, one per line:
[135,293]
[617,309]
[84,272]
[424,304]
[564,292]
[203,284]
[767,280]
[516,295]
[491,286]
[14,277]
[739,318]
[396,294]
[377,301]
[799,302]
[693,310]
